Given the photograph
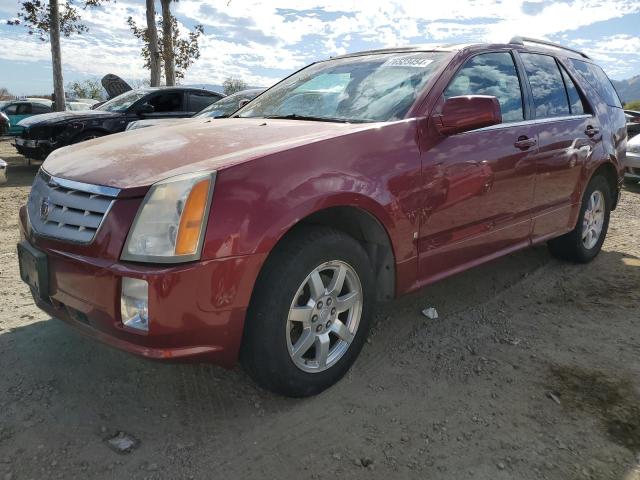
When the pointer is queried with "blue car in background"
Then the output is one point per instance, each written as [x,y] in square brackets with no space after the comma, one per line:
[16,110]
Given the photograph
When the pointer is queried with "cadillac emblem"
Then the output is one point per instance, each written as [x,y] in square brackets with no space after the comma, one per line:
[45,209]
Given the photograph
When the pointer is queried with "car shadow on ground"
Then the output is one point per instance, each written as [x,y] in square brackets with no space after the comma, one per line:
[77,364]
[632,187]
[55,381]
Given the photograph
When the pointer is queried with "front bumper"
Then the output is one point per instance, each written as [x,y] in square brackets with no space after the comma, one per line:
[632,165]
[36,149]
[196,310]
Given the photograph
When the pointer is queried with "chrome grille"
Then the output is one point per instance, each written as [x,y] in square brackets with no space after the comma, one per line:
[67,210]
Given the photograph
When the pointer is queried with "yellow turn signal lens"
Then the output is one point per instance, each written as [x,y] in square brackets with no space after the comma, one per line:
[191,220]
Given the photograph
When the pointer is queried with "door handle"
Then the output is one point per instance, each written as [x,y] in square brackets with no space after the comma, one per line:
[591,131]
[525,142]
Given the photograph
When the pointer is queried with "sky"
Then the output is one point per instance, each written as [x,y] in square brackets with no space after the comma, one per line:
[261,41]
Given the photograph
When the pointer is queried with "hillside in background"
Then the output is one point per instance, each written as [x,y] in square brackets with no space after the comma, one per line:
[628,89]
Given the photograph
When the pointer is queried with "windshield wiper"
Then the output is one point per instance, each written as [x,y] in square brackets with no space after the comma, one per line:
[295,116]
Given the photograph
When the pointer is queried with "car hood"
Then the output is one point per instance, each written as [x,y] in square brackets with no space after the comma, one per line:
[139,158]
[67,116]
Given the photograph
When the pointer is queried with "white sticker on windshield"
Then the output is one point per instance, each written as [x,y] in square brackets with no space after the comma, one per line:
[414,61]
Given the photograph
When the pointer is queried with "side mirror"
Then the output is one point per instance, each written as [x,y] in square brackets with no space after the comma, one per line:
[145,109]
[462,114]
[243,102]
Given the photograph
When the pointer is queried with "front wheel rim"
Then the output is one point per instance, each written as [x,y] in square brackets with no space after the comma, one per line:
[593,220]
[324,316]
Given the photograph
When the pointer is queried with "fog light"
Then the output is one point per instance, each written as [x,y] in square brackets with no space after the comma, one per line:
[134,303]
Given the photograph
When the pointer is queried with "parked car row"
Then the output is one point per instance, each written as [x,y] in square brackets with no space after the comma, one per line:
[268,237]
[221,109]
[12,112]
[44,133]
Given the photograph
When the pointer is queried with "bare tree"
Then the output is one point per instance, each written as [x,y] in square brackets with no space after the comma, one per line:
[89,88]
[182,50]
[56,56]
[155,63]
[233,85]
[4,93]
[52,19]
[167,41]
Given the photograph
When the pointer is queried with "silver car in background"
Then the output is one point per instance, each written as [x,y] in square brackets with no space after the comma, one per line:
[632,162]
[221,109]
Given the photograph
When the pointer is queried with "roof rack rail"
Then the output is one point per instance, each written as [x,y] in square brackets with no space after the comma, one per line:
[520,41]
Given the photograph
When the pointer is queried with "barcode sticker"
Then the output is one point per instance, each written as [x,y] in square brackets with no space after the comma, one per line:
[413,61]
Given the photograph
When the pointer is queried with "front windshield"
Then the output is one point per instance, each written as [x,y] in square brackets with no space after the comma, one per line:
[123,101]
[224,107]
[367,88]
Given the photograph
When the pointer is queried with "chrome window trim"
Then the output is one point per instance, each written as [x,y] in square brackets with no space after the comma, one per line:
[80,186]
[537,121]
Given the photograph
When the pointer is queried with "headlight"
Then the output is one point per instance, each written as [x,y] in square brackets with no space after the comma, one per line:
[171,221]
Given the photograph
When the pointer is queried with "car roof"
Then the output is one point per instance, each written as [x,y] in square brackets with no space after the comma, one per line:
[177,87]
[516,43]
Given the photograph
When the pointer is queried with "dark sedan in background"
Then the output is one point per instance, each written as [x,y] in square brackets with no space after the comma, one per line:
[44,133]
[220,109]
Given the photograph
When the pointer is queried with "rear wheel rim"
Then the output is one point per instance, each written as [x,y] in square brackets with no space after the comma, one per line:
[324,316]
[593,220]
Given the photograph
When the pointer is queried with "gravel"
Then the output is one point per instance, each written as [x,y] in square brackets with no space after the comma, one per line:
[437,400]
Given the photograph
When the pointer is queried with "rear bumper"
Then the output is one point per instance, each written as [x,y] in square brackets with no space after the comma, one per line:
[196,311]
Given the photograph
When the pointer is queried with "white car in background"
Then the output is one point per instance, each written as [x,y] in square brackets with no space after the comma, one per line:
[632,163]
[3,171]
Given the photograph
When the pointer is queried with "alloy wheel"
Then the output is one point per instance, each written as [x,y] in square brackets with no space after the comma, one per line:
[324,316]
[593,220]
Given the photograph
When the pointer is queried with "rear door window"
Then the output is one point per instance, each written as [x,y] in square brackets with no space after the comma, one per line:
[40,108]
[596,77]
[167,102]
[549,94]
[199,101]
[492,74]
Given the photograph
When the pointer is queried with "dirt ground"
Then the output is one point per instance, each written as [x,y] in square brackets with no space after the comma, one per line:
[532,371]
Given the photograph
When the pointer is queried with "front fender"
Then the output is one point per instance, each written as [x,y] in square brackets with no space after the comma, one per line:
[257,202]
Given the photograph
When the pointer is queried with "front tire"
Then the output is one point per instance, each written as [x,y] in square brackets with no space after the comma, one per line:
[309,315]
[584,242]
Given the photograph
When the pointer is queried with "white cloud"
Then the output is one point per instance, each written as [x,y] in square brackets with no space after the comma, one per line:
[261,40]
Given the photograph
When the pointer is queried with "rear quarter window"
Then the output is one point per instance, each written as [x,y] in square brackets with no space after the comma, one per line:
[596,77]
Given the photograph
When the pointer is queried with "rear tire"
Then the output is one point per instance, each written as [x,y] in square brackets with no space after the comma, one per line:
[584,242]
[309,314]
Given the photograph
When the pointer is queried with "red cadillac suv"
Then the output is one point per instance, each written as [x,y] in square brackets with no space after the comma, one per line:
[269,236]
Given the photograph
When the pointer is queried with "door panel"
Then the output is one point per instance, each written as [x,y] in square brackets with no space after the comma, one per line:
[566,138]
[479,184]
[478,197]
[564,150]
